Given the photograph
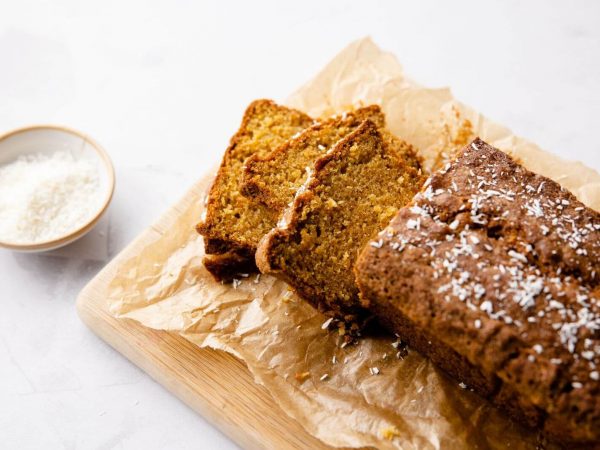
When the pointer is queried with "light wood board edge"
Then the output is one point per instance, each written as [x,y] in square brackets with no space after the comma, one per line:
[213,383]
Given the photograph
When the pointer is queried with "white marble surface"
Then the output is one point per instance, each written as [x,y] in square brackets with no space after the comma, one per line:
[162,85]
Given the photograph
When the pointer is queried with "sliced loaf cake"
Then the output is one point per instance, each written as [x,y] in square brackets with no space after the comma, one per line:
[351,194]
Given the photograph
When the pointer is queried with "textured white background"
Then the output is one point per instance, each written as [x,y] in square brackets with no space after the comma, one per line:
[162,85]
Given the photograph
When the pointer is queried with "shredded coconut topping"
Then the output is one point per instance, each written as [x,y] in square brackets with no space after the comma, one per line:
[512,287]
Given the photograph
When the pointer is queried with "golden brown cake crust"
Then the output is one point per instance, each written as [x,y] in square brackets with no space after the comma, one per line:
[493,272]
[353,191]
[232,222]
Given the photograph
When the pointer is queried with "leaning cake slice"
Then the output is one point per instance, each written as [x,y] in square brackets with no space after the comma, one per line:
[353,191]
[493,272]
[233,225]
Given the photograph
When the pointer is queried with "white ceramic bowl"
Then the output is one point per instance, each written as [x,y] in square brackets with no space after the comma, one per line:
[49,139]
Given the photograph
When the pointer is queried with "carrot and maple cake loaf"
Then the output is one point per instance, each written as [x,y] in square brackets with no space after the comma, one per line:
[493,272]
[353,192]
[273,179]
[233,225]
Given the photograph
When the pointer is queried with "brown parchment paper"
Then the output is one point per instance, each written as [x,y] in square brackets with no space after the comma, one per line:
[370,394]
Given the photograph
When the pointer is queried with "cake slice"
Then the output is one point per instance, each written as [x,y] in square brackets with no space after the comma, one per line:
[233,225]
[494,273]
[353,191]
[273,179]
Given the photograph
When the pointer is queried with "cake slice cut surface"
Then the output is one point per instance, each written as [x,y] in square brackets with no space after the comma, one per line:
[233,225]
[273,179]
[352,193]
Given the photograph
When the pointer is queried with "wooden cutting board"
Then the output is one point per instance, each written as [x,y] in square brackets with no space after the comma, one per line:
[215,384]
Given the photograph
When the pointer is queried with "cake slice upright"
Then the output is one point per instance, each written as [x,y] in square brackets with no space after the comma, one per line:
[233,225]
[273,179]
[493,272]
[352,192]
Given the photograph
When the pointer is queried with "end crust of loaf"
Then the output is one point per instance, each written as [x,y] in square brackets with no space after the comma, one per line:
[226,267]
